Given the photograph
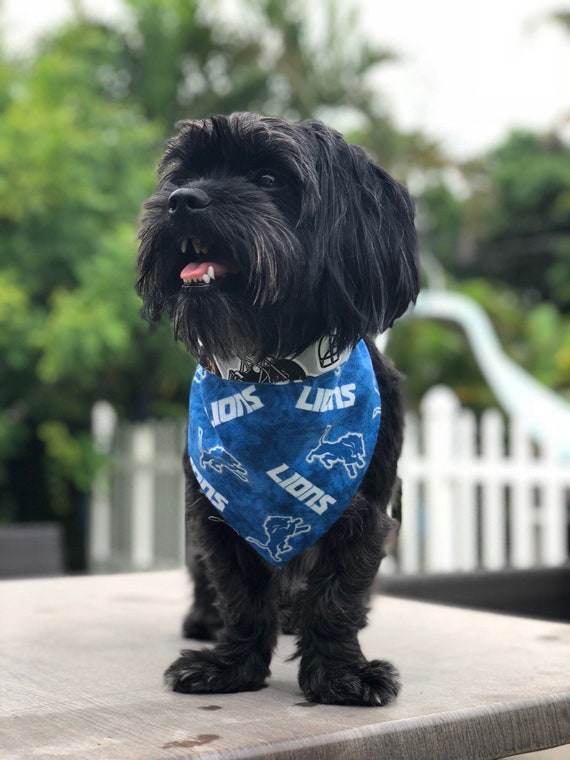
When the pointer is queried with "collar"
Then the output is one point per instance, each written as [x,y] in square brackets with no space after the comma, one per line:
[315,360]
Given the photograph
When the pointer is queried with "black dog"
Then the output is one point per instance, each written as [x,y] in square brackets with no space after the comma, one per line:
[267,242]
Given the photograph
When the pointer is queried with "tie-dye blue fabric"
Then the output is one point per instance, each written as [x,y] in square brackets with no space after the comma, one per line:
[281,461]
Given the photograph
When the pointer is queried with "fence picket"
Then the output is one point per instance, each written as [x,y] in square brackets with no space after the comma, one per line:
[523,553]
[555,513]
[143,503]
[439,408]
[466,499]
[493,517]
[103,423]
[410,532]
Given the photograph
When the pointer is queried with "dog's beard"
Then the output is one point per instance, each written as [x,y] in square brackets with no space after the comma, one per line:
[224,323]
[220,324]
[265,306]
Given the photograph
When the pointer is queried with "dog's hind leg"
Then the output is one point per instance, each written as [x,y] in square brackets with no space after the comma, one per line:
[203,621]
[331,611]
[247,601]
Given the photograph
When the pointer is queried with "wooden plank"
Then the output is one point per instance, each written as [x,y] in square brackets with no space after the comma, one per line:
[82,662]
[465,512]
[439,410]
[493,501]
[409,536]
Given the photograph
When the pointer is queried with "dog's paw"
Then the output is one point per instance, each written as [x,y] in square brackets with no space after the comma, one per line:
[369,684]
[205,672]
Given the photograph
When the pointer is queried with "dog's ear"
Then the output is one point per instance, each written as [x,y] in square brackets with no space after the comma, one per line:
[389,267]
[368,236]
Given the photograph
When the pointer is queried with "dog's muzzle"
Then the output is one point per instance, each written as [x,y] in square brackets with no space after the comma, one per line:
[185,204]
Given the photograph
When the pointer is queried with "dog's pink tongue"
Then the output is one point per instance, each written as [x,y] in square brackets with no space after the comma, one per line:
[200,268]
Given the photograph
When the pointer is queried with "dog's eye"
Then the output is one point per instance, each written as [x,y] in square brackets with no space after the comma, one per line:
[264,179]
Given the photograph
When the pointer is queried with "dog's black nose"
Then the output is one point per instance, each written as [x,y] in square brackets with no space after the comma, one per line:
[187,199]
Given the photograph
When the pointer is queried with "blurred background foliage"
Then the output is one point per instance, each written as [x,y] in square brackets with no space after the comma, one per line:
[83,118]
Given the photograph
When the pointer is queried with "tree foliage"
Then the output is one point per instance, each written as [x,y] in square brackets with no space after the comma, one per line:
[505,241]
[524,218]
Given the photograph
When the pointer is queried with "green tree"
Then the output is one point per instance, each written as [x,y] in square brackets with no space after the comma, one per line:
[524,236]
[72,167]
[504,240]
[513,224]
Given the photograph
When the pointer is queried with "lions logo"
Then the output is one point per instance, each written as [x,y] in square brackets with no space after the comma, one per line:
[328,351]
[347,450]
[217,459]
[279,531]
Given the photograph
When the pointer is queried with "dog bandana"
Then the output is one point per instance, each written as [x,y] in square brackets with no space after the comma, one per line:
[280,461]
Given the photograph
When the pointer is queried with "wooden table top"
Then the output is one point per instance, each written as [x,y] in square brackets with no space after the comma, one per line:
[81,677]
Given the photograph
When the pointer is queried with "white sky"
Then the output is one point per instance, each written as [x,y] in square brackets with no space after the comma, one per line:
[468,71]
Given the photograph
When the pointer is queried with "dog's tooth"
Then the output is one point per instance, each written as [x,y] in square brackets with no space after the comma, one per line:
[211,273]
[206,278]
[184,245]
[200,246]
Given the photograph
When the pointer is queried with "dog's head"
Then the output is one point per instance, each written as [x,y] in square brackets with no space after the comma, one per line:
[264,235]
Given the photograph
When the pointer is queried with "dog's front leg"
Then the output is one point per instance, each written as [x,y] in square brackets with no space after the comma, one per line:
[332,609]
[245,598]
[203,619]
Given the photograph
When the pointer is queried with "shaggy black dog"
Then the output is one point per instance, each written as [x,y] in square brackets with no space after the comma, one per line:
[264,240]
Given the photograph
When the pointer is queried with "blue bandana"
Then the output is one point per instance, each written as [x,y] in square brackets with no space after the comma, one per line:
[281,461]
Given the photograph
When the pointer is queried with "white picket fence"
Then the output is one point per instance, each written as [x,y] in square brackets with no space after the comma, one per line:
[474,496]
[478,496]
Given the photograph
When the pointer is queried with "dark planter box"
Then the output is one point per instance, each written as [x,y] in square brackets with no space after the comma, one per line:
[541,594]
[30,550]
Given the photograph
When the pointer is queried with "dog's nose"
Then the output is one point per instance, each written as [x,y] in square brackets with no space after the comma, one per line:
[187,199]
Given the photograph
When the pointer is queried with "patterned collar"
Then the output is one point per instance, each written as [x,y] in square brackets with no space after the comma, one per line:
[315,360]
